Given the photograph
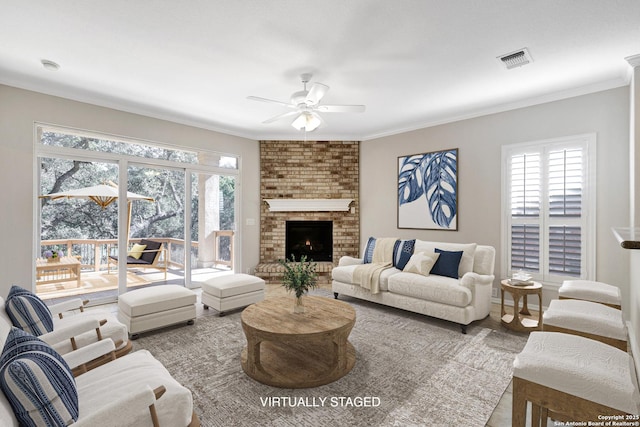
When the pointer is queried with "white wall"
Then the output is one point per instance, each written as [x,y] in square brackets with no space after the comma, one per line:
[479,141]
[19,109]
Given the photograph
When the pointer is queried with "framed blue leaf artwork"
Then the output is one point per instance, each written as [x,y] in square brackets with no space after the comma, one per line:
[428,190]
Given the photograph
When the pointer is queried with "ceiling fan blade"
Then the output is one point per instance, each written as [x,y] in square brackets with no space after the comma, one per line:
[271,101]
[316,93]
[281,116]
[341,108]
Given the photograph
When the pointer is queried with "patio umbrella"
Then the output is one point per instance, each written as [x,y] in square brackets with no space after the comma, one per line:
[103,195]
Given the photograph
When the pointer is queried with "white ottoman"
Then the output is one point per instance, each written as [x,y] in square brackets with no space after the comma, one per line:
[155,307]
[226,293]
[588,319]
[572,376]
[590,290]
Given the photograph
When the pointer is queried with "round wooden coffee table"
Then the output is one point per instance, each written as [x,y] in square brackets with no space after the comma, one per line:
[298,350]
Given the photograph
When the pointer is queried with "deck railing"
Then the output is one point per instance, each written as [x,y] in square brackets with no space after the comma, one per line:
[93,253]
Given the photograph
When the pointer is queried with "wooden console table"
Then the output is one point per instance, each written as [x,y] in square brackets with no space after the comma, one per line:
[65,270]
[516,321]
[298,350]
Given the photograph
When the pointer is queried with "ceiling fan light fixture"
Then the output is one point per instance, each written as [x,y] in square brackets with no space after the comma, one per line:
[306,121]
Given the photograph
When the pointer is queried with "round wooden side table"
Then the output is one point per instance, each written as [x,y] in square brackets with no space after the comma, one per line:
[516,321]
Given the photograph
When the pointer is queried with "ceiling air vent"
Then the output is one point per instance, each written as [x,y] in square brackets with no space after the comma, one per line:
[516,59]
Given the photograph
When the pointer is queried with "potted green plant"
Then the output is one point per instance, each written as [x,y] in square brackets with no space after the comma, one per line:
[299,277]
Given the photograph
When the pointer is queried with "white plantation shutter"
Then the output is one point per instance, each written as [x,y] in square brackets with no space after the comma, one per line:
[565,187]
[525,185]
[547,223]
[525,247]
[566,174]
[525,211]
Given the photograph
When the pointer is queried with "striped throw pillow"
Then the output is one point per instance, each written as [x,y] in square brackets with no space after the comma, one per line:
[28,312]
[368,251]
[37,382]
[402,251]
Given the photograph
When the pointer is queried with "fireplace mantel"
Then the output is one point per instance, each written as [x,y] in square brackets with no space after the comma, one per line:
[308,205]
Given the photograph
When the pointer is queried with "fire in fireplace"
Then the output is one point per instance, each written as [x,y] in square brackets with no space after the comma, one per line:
[311,238]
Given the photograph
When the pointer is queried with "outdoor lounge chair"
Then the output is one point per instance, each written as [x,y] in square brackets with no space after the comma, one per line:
[150,257]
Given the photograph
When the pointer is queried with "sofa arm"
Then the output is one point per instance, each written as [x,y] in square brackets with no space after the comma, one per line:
[348,260]
[471,279]
[132,409]
[480,286]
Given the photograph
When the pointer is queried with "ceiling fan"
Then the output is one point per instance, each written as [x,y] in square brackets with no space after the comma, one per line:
[306,106]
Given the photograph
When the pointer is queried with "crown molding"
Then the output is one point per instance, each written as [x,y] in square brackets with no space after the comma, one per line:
[633,60]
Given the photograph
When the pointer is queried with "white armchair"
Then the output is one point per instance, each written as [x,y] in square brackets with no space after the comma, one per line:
[131,391]
[67,320]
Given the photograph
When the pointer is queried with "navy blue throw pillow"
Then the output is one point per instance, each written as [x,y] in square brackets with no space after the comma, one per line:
[28,312]
[447,263]
[37,382]
[402,251]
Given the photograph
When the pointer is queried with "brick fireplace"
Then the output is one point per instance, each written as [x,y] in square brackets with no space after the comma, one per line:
[314,170]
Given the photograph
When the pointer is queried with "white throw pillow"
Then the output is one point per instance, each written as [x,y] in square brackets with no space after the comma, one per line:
[468,249]
[421,263]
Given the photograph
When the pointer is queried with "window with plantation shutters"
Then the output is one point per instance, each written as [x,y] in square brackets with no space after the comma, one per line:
[549,217]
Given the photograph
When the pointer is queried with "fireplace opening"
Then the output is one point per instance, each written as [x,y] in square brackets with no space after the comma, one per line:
[311,238]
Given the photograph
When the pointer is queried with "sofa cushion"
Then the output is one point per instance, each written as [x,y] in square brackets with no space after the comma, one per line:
[28,312]
[344,274]
[139,369]
[421,263]
[37,382]
[440,289]
[484,260]
[368,250]
[468,252]
[447,263]
[402,251]
[151,250]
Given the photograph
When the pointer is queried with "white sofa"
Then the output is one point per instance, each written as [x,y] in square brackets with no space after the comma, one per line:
[461,300]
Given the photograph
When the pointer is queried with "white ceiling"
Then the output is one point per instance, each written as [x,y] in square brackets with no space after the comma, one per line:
[413,63]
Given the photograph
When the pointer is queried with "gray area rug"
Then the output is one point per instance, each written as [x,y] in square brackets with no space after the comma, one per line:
[410,370]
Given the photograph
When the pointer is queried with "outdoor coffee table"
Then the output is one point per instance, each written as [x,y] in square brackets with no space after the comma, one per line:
[65,270]
[298,350]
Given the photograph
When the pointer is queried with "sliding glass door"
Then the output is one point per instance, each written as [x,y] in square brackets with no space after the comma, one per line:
[79,226]
[156,226]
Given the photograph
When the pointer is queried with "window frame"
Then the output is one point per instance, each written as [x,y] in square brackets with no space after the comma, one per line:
[587,221]
[124,161]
